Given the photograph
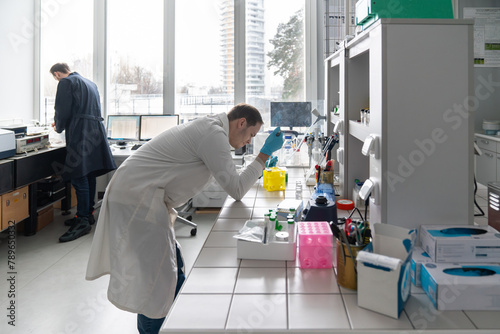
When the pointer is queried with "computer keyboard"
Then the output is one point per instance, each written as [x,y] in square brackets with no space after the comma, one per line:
[136,146]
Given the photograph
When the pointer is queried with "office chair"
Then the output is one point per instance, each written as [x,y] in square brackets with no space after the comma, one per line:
[185,215]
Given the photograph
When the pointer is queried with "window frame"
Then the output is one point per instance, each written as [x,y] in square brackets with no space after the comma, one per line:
[314,84]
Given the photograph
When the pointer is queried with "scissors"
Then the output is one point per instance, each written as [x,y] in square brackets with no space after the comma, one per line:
[355,233]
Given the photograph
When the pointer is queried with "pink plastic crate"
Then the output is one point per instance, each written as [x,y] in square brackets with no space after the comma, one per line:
[315,245]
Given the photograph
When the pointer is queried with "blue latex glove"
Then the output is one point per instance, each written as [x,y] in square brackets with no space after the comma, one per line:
[272,161]
[273,142]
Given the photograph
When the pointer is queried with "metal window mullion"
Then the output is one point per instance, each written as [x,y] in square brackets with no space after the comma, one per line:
[100,60]
[311,35]
[37,89]
[239,51]
[169,57]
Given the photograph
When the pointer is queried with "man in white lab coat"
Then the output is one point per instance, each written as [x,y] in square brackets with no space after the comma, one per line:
[135,241]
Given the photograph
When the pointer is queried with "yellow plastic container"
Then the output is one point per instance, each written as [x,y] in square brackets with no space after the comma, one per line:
[274,179]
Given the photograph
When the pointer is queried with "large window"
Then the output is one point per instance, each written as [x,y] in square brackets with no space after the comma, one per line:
[204,57]
[66,37]
[274,52]
[212,70]
[135,57]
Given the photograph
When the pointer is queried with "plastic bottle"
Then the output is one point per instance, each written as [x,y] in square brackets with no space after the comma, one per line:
[287,150]
[291,230]
[298,190]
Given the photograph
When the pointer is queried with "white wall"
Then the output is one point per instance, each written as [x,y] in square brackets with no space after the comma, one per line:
[17,27]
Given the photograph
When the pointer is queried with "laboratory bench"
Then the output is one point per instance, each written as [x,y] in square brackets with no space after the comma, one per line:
[23,173]
[224,294]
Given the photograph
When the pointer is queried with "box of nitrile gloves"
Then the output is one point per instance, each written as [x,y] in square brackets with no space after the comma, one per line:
[461,243]
[384,270]
[458,286]
[418,257]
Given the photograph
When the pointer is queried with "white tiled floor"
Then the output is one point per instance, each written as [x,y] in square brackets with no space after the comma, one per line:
[52,295]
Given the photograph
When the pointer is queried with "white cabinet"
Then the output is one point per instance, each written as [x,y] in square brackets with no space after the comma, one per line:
[415,77]
[488,163]
[212,196]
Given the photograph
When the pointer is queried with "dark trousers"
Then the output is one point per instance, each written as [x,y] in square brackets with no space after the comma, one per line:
[147,325]
[85,188]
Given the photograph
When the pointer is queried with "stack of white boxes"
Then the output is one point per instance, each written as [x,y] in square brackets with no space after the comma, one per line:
[463,268]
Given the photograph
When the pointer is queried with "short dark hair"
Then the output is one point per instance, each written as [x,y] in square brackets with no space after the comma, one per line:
[60,67]
[246,111]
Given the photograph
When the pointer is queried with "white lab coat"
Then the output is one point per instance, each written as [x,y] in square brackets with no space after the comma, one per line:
[134,240]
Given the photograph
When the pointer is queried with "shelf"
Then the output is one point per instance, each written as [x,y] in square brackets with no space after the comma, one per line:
[358,130]
[334,59]
[359,45]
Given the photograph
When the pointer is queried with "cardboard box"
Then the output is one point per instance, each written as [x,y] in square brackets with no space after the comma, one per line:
[45,217]
[15,206]
[418,257]
[461,243]
[272,250]
[384,277]
[452,286]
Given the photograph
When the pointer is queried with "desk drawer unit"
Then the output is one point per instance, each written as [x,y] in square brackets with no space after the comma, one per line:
[6,176]
[488,163]
[15,206]
[487,144]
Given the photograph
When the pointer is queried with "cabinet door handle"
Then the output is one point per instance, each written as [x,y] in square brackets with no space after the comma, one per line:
[214,197]
[488,155]
[485,141]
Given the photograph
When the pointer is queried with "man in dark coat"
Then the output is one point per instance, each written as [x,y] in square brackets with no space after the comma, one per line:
[78,111]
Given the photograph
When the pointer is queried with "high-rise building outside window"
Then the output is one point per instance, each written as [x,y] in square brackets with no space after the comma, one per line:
[204,69]
[275,53]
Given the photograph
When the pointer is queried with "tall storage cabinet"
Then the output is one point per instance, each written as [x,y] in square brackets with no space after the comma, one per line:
[416,78]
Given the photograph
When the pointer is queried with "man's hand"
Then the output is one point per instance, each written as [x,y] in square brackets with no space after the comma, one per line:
[273,142]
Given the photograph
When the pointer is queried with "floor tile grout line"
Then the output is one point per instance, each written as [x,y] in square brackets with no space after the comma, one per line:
[472,321]
[34,279]
[351,324]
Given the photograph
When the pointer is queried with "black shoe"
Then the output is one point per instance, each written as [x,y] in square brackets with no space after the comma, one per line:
[79,229]
[70,222]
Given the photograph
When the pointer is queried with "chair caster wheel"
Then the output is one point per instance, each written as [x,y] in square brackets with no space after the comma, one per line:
[193,232]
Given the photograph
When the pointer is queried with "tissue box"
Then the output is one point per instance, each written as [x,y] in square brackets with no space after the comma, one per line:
[419,256]
[460,243]
[384,270]
[452,286]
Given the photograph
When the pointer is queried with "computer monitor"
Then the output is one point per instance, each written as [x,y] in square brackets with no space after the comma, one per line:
[152,125]
[123,127]
[291,114]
